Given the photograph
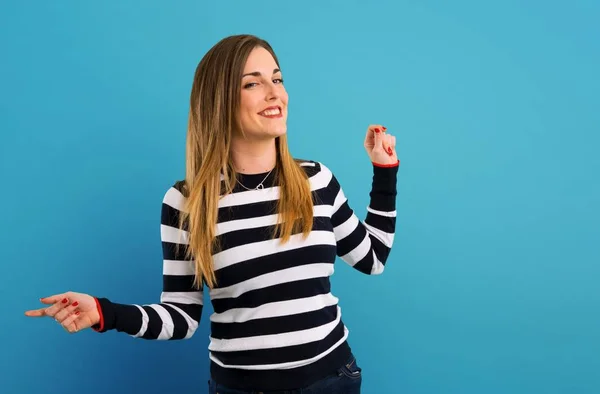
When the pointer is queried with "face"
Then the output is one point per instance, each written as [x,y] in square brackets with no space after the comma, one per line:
[263,107]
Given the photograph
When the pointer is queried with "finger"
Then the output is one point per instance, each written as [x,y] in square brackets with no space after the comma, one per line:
[388,144]
[373,127]
[66,312]
[44,300]
[53,299]
[36,312]
[72,323]
[378,137]
[57,307]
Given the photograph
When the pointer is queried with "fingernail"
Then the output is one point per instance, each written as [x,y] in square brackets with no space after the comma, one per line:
[390,151]
[77,313]
[75,303]
[64,301]
[384,128]
[377,130]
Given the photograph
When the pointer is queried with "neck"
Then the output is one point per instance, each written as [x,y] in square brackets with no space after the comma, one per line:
[253,157]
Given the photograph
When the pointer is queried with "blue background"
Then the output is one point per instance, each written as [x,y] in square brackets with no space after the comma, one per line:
[493,283]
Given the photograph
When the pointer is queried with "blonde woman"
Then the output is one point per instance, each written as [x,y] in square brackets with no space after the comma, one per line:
[261,231]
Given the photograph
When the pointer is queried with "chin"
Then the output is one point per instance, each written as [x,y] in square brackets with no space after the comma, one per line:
[275,130]
[280,132]
[266,131]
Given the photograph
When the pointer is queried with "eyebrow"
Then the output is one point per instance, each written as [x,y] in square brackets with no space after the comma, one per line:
[258,74]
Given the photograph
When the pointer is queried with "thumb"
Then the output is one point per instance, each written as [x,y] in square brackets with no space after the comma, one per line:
[378,137]
[36,312]
[45,300]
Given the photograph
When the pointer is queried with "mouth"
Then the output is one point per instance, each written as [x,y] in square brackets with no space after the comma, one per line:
[271,112]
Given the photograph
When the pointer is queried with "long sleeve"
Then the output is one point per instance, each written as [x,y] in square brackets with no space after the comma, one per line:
[178,313]
[366,245]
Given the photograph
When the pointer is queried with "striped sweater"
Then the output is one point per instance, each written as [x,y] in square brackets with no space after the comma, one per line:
[276,324]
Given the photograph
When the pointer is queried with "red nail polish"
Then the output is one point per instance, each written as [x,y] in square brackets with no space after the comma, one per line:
[390,151]
[384,128]
[64,301]
[377,130]
[77,313]
[75,303]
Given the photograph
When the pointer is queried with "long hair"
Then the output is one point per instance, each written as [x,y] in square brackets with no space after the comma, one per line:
[213,121]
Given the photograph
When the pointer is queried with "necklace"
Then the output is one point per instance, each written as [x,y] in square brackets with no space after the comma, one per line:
[260,185]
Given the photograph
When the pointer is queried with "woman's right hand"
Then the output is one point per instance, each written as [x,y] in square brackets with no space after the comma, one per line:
[73,311]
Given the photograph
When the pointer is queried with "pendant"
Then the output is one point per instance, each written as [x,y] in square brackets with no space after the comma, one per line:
[260,186]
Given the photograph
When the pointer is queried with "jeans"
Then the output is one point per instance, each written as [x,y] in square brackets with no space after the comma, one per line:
[346,380]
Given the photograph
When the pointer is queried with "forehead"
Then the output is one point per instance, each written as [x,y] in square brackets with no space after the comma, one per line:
[260,60]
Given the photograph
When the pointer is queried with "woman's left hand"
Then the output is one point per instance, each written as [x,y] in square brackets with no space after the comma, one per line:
[380,146]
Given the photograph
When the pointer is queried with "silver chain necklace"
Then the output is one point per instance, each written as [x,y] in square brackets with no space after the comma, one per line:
[260,185]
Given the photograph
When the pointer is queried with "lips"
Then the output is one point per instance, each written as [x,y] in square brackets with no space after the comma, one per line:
[271,112]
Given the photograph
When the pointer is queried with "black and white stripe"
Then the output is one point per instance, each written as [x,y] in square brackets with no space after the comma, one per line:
[273,306]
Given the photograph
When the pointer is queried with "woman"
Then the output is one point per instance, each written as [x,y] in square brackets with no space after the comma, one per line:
[261,231]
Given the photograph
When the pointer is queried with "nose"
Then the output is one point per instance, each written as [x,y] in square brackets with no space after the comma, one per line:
[271,92]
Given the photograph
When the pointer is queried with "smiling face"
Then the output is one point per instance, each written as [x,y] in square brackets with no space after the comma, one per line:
[263,104]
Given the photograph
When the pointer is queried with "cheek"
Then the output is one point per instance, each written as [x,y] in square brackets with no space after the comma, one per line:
[247,106]
[284,102]
[244,105]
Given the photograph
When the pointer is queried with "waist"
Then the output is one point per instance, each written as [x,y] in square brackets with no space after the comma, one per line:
[282,376]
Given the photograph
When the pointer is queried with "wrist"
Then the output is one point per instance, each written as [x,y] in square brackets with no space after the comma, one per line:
[97,317]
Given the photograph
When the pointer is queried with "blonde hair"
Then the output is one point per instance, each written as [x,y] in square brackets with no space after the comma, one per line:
[213,121]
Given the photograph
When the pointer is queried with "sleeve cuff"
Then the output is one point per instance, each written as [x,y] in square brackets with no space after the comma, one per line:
[397,164]
[103,306]
[384,187]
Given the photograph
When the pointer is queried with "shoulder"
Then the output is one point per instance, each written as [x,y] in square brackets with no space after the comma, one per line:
[175,196]
[313,167]
[321,178]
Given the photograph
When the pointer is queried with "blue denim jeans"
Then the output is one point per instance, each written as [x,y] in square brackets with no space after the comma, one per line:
[346,380]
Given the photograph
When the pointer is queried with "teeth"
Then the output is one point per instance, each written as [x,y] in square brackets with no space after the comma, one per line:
[271,112]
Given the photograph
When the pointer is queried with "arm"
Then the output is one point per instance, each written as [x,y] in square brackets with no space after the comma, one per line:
[178,314]
[366,245]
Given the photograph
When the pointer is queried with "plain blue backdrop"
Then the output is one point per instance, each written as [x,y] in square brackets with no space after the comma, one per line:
[492,286]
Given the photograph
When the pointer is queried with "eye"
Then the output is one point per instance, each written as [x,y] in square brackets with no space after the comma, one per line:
[278,80]
[250,85]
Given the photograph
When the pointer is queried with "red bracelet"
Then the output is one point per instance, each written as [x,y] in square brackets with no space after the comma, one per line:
[387,165]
